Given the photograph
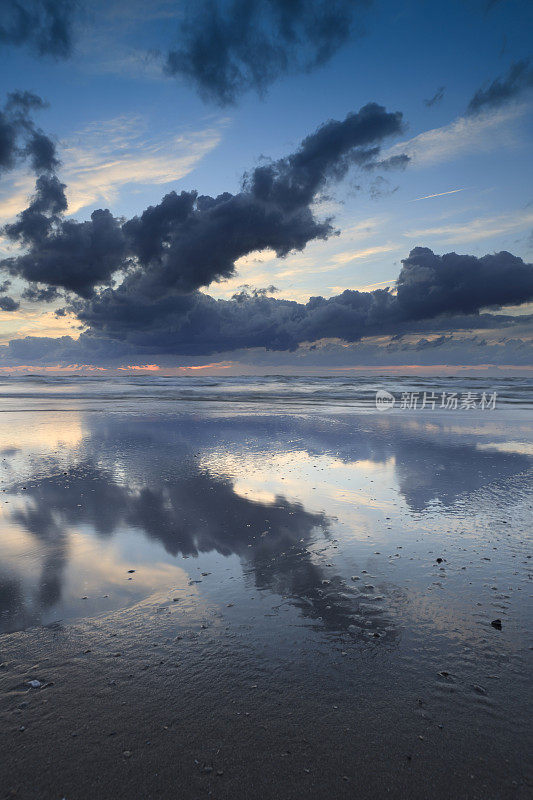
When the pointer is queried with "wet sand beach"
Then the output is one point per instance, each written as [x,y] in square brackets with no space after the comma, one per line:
[208,600]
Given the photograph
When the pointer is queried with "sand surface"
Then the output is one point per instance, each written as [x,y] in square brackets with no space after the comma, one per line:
[233,606]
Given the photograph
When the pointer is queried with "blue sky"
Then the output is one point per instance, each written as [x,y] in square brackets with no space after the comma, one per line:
[127,134]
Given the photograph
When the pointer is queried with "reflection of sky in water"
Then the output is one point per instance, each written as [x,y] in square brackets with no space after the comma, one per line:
[289,508]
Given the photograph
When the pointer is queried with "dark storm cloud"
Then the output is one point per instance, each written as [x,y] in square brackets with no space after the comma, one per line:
[498,348]
[227,48]
[72,255]
[63,350]
[41,151]
[35,294]
[437,97]
[20,139]
[327,153]
[430,285]
[62,253]
[43,25]
[34,223]
[450,290]
[8,304]
[434,293]
[519,77]
[190,240]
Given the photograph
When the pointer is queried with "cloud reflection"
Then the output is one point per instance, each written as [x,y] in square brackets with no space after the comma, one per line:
[151,479]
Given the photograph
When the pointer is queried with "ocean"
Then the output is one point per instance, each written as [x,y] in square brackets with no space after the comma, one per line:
[273,392]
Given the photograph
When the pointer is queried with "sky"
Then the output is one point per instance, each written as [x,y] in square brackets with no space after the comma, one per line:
[266,185]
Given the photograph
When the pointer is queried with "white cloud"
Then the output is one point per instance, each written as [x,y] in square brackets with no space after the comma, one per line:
[475,229]
[370,226]
[370,287]
[346,257]
[104,157]
[465,136]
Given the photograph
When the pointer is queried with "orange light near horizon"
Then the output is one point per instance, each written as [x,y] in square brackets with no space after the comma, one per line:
[144,367]
[215,365]
[389,369]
